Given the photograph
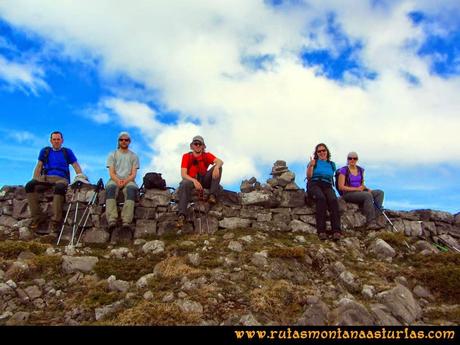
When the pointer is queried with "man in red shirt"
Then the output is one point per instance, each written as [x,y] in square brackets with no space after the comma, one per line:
[195,174]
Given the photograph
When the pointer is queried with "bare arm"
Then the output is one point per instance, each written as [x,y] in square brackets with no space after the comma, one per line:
[38,170]
[345,188]
[77,168]
[310,168]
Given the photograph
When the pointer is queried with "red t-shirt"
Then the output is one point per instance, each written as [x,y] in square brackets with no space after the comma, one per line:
[197,165]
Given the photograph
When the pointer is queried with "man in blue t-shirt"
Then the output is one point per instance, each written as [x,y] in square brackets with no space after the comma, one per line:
[52,170]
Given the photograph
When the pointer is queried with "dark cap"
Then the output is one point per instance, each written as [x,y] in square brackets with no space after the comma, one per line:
[198,138]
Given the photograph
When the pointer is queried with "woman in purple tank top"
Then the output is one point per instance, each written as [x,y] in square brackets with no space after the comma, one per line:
[351,184]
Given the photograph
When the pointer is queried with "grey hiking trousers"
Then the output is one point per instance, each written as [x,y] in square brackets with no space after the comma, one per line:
[367,200]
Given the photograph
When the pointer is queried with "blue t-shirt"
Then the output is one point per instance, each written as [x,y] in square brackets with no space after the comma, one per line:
[57,164]
[355,181]
[323,171]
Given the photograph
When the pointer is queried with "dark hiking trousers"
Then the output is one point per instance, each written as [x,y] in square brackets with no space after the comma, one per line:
[186,187]
[325,199]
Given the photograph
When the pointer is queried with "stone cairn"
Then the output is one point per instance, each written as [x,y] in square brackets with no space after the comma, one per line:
[278,205]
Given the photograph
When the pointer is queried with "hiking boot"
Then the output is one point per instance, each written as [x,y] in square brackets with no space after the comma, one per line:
[180,221]
[212,199]
[54,227]
[322,236]
[336,236]
[37,222]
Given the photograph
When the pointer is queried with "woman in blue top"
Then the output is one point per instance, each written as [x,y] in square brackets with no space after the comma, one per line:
[351,184]
[320,173]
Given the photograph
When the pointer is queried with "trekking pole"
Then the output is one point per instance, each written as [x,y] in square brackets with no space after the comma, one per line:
[444,242]
[99,187]
[389,221]
[78,185]
[65,218]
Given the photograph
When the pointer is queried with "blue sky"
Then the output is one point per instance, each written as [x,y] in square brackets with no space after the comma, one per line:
[260,80]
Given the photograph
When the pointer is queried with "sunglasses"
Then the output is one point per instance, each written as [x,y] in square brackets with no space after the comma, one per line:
[123,139]
[320,151]
[352,158]
[197,143]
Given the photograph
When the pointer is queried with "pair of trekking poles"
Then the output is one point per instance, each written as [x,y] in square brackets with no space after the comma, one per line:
[444,247]
[78,228]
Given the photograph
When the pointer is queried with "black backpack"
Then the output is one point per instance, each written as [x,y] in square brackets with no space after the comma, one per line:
[154,180]
[46,157]
[347,177]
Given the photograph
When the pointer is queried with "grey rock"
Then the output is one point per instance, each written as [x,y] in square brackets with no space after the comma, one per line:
[260,198]
[168,298]
[259,259]
[235,246]
[194,259]
[249,320]
[350,313]
[348,280]
[25,234]
[300,239]
[20,209]
[292,199]
[17,267]
[143,281]
[119,253]
[8,221]
[6,290]
[368,291]
[192,307]
[422,292]
[156,197]
[383,315]
[292,187]
[72,264]
[285,178]
[33,292]
[401,303]
[228,236]
[424,245]
[402,281]
[299,226]
[103,312]
[95,235]
[316,314]
[264,217]
[234,223]
[154,247]
[117,285]
[382,249]
[145,228]
[148,295]
[18,319]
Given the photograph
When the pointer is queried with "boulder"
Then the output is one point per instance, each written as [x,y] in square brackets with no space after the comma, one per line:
[71,264]
[234,223]
[401,304]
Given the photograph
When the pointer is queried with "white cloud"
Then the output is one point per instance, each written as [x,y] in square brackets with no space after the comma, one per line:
[189,55]
[24,76]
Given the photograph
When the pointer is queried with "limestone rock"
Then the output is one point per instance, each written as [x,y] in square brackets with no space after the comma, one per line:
[401,303]
[234,223]
[72,264]
[154,247]
[382,249]
[351,313]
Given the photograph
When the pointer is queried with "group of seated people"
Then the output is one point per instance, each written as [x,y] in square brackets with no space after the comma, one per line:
[321,172]
[52,170]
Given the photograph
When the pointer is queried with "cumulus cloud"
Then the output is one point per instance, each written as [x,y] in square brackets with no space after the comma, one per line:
[24,76]
[192,59]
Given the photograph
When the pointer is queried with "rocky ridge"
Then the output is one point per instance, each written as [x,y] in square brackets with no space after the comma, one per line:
[252,259]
